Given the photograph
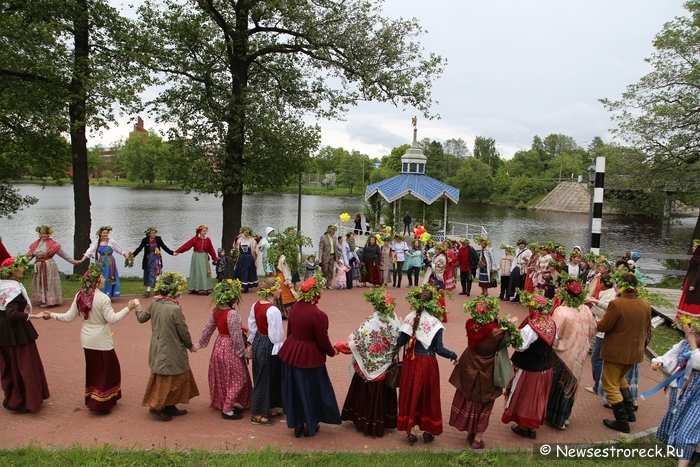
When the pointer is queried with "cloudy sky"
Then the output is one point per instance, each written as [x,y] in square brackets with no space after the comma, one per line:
[516,68]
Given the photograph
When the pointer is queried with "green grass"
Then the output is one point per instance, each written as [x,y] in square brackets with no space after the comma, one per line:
[112,456]
[70,285]
[670,282]
[663,338]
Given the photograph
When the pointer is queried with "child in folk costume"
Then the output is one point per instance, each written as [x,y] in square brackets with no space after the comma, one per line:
[222,267]
[340,276]
[680,427]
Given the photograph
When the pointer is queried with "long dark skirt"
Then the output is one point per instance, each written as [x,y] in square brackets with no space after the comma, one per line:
[371,406]
[267,377]
[419,396]
[22,376]
[374,275]
[308,397]
[246,270]
[470,416]
[103,379]
[561,396]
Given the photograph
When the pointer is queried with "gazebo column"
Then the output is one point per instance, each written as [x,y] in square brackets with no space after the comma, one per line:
[444,219]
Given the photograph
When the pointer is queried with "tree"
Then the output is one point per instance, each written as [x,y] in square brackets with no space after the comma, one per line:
[351,173]
[485,151]
[457,147]
[659,115]
[473,180]
[393,160]
[329,159]
[251,71]
[64,64]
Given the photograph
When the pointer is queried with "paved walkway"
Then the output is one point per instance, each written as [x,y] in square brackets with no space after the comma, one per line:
[64,420]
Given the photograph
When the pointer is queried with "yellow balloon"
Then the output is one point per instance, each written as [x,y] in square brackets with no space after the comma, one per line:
[425,236]
[344,217]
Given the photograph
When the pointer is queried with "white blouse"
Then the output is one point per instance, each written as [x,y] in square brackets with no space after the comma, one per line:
[275,331]
[110,243]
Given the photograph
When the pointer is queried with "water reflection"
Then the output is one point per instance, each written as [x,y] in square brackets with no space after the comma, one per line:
[176,215]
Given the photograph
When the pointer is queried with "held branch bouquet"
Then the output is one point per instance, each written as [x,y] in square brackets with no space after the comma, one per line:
[513,337]
[129,261]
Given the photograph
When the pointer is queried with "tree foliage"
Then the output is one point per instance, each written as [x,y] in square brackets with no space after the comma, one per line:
[474,181]
[485,151]
[242,76]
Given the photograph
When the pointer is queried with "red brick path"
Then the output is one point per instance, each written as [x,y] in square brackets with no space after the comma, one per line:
[64,420]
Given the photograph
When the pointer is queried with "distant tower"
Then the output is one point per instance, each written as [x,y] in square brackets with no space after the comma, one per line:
[413,161]
[139,130]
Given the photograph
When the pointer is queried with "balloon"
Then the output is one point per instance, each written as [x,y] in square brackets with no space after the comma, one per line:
[425,236]
[418,231]
[388,228]
[384,230]
[344,217]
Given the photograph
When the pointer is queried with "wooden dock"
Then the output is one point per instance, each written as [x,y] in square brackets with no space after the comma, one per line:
[673,296]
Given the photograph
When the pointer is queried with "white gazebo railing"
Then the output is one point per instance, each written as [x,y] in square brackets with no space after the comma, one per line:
[461,230]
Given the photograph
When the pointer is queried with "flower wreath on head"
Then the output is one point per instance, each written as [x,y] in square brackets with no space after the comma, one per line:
[264,293]
[696,242]
[245,229]
[432,306]
[484,308]
[521,240]
[47,228]
[380,299]
[227,293]
[621,285]
[535,302]
[686,319]
[479,239]
[571,292]
[170,284]
[108,228]
[556,264]
[534,247]
[149,230]
[507,248]
[91,276]
[11,264]
[311,288]
[200,228]
[590,257]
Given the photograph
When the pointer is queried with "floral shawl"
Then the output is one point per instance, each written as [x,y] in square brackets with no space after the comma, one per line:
[428,326]
[9,290]
[373,344]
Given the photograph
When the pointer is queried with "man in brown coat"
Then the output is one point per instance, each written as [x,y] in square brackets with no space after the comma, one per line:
[327,254]
[625,324]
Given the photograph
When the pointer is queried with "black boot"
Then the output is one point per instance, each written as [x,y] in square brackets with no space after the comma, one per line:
[621,422]
[469,288]
[629,404]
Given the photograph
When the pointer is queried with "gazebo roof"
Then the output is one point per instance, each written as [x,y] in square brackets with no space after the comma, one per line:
[423,187]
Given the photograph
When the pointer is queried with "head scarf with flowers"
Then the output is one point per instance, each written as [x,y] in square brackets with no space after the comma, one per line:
[424,321]
[10,289]
[311,289]
[539,317]
[170,285]
[268,287]
[88,283]
[571,292]
[227,293]
[484,314]
[373,343]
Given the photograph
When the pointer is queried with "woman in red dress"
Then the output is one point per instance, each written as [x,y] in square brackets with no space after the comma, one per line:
[690,298]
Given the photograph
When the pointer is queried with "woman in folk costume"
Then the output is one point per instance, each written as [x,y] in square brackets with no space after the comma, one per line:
[421,333]
[152,263]
[680,426]
[541,272]
[46,283]
[370,404]
[487,265]
[452,261]
[230,387]
[246,268]
[536,250]
[21,371]
[385,261]
[3,252]
[283,246]
[200,272]
[690,298]
[263,245]
[437,277]
[102,369]
[526,398]
[103,248]
[473,376]
[371,258]
[576,327]
[266,333]
[171,381]
[307,393]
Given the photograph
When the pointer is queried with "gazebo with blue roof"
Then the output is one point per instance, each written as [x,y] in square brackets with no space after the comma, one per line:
[413,181]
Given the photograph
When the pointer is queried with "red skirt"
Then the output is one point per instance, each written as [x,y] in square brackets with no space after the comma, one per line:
[370,405]
[528,401]
[22,376]
[470,416]
[419,395]
[103,379]
[691,308]
[374,275]
[529,286]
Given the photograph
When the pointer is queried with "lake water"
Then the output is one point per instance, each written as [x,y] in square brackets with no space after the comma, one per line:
[176,215]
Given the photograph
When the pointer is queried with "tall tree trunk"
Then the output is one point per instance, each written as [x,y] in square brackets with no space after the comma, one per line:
[77,111]
[232,205]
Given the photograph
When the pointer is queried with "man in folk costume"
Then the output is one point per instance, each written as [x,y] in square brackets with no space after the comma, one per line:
[518,269]
[327,254]
[576,327]
[526,402]
[625,324]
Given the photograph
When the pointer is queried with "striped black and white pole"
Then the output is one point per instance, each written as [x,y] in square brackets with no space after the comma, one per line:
[597,221]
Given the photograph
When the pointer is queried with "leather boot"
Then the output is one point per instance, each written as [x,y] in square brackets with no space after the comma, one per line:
[629,404]
[469,288]
[621,422]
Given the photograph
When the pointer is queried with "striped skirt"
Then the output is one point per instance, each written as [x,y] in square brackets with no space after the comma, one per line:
[103,379]
[527,403]
[470,416]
